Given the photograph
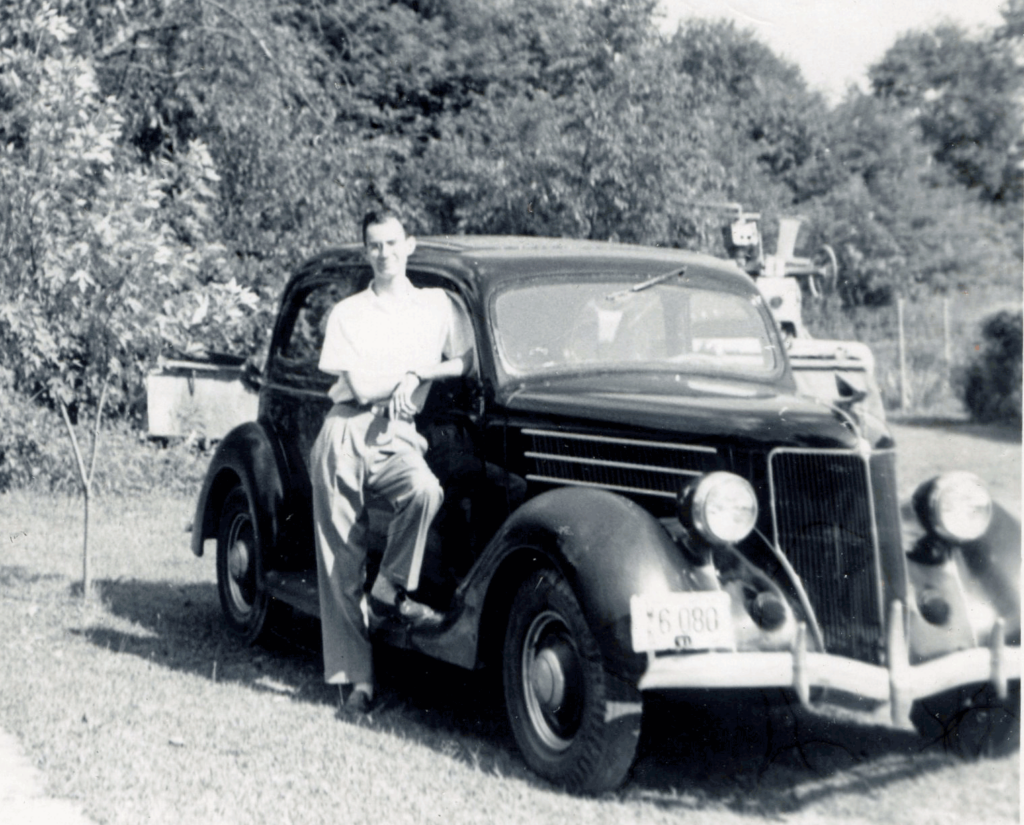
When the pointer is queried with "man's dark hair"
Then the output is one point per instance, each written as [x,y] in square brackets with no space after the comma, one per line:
[380,215]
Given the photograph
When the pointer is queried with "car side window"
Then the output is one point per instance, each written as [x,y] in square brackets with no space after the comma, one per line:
[427,280]
[299,345]
[301,337]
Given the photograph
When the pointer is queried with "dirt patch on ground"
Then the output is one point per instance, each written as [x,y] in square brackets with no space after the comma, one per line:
[992,452]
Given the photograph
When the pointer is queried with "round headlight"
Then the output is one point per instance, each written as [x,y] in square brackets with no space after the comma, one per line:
[721,507]
[955,506]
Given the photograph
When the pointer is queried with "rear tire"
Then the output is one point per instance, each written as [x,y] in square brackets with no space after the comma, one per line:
[240,555]
[971,722]
[576,724]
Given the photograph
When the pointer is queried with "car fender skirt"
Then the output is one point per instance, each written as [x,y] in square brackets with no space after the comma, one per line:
[609,549]
[246,456]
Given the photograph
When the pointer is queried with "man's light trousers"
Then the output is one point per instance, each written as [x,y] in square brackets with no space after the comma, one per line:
[358,455]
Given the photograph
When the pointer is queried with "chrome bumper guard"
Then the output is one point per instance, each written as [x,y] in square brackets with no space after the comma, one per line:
[898,685]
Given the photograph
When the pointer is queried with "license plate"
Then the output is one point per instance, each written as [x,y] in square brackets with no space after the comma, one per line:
[682,621]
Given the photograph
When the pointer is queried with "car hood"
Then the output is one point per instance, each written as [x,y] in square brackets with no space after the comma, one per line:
[729,411]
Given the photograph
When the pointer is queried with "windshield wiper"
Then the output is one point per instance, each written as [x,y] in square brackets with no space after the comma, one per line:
[640,287]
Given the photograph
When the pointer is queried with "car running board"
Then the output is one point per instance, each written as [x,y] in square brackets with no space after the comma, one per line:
[296,588]
[454,642]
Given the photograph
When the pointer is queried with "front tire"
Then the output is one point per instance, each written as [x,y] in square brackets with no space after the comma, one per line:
[243,597]
[576,724]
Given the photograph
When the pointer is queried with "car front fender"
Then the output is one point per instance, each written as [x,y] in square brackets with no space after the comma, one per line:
[607,547]
[960,597]
[992,566]
[246,457]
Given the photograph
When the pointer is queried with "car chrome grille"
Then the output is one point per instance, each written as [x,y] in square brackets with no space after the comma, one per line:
[824,523]
[626,465]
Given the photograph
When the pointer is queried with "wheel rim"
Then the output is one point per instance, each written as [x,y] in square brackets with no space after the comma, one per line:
[551,680]
[241,574]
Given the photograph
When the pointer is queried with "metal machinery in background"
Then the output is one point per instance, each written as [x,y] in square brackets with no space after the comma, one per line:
[838,372]
[198,397]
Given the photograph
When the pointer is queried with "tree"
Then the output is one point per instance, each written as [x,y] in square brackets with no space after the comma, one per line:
[616,159]
[162,158]
[266,105]
[87,266]
[900,224]
[769,122]
[965,95]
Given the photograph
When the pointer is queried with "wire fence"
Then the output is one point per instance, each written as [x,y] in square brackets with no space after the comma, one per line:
[921,347]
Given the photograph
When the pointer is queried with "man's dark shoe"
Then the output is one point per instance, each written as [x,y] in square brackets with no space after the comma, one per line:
[408,611]
[354,702]
[417,614]
[382,609]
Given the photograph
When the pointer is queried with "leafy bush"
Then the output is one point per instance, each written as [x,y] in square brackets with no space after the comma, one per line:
[941,338]
[104,259]
[31,450]
[991,384]
[35,454]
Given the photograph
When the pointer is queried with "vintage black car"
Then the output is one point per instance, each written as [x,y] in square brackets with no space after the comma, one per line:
[637,500]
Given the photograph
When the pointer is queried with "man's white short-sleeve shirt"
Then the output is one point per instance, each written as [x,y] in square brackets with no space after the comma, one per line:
[389,336]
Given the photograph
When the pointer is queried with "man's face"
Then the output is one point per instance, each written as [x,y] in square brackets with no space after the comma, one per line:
[388,248]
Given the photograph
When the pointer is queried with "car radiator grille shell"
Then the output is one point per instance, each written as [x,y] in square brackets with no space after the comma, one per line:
[826,524]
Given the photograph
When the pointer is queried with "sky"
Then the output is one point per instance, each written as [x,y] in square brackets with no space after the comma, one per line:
[835,41]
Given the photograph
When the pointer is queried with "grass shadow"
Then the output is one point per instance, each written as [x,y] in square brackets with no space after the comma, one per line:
[180,626]
[753,753]
[760,753]
[13,576]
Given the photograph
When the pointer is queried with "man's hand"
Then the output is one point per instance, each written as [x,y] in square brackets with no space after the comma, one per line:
[373,388]
[402,405]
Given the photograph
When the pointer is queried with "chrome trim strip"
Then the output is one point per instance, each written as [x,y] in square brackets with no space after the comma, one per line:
[822,451]
[633,442]
[620,465]
[877,544]
[798,583]
[621,488]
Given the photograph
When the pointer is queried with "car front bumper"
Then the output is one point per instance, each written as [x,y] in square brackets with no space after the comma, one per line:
[897,685]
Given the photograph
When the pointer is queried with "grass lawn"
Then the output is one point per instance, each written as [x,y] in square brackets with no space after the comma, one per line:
[142,708]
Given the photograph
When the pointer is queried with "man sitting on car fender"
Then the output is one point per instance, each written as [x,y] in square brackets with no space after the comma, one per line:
[386,344]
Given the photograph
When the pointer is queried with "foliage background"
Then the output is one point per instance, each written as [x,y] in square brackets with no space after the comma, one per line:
[165,163]
[992,381]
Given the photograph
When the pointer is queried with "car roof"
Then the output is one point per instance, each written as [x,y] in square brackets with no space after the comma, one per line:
[485,260]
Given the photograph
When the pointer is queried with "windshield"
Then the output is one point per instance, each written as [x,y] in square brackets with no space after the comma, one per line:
[666,325]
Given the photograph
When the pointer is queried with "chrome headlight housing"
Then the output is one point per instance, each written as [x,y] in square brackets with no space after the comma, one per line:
[720,507]
[956,507]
